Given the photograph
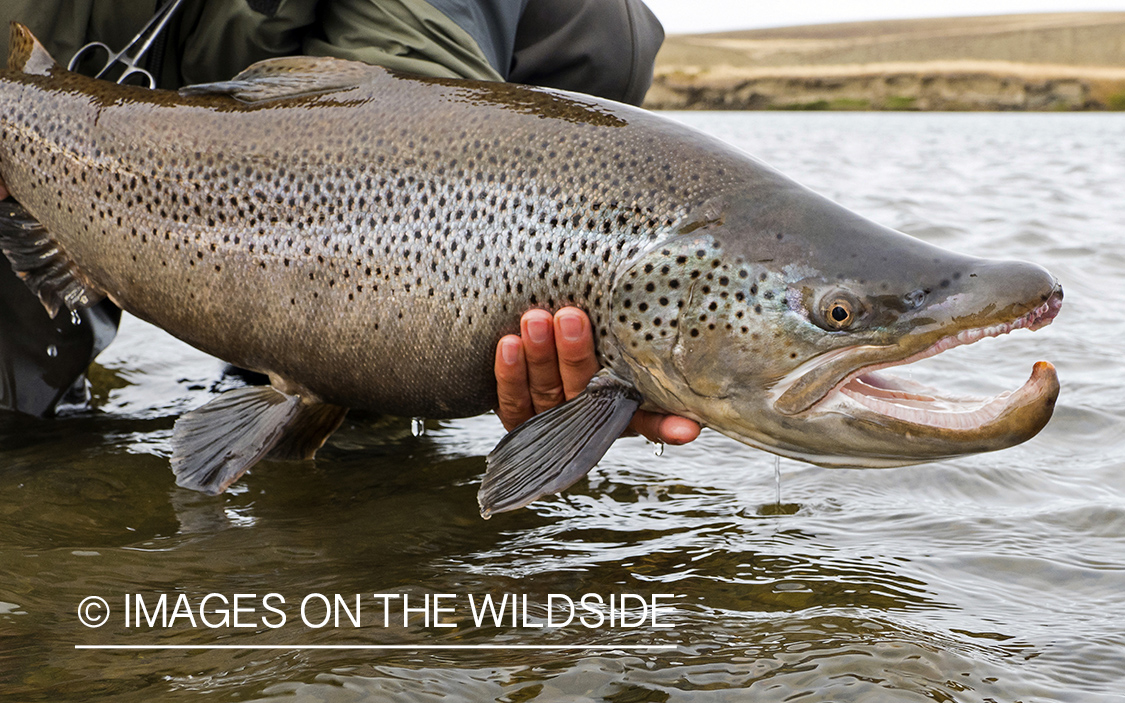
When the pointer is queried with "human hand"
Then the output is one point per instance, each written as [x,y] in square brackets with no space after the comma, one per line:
[551,361]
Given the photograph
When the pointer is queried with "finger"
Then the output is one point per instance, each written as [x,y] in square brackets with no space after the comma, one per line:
[543,380]
[574,344]
[3,191]
[511,383]
[668,429]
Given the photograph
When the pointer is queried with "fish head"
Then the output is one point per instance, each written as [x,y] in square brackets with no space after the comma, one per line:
[768,318]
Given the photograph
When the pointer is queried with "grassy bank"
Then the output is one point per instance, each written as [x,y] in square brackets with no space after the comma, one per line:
[1067,61]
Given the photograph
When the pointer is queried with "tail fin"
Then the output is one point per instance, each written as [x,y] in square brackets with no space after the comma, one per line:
[26,54]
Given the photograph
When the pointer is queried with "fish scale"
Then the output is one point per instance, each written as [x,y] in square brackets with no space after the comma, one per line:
[365,238]
[361,230]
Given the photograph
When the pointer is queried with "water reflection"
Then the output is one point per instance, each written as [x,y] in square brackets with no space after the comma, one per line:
[988,578]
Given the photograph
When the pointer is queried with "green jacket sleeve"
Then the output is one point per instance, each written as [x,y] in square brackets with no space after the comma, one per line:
[218,39]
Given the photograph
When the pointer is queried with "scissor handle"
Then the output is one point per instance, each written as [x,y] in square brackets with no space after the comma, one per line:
[150,82]
[127,62]
[138,46]
[87,51]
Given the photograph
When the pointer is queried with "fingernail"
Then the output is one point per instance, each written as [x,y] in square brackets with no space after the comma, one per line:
[539,330]
[510,352]
[571,327]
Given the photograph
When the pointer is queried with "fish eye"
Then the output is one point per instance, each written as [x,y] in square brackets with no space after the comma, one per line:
[839,311]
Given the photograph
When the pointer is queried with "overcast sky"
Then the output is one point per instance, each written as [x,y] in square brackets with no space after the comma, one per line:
[687,16]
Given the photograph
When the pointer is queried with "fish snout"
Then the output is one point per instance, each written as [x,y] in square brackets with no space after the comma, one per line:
[1007,287]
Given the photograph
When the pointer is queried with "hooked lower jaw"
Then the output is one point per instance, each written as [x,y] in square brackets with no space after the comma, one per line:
[917,404]
[1017,414]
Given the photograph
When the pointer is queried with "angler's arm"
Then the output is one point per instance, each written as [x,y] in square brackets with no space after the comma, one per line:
[551,361]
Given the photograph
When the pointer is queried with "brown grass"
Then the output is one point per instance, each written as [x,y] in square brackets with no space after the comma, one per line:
[1068,39]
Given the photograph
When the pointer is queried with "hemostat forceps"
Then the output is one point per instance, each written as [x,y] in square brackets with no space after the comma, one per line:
[133,51]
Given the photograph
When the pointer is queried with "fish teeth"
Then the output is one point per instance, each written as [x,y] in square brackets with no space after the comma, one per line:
[1029,320]
[969,336]
[1033,319]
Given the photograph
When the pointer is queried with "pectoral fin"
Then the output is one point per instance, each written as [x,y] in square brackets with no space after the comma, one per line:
[288,77]
[41,262]
[214,445]
[552,450]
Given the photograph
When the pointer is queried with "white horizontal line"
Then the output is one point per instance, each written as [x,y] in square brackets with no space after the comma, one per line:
[641,647]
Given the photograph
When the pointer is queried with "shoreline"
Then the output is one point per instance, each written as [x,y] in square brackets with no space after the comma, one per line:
[1050,62]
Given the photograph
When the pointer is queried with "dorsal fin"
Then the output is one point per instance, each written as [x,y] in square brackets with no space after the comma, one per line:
[288,77]
[26,54]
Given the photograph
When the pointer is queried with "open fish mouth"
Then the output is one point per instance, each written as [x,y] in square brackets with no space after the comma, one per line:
[917,404]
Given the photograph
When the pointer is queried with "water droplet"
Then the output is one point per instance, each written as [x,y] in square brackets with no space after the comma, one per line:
[777,477]
[417,426]
[657,448]
[75,318]
[52,351]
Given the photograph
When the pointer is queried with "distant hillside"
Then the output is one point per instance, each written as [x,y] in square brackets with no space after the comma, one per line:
[1069,61]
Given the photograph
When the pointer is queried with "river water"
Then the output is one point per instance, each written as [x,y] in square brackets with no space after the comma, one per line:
[991,578]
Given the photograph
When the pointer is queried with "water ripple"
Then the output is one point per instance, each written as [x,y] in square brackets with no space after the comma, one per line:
[989,578]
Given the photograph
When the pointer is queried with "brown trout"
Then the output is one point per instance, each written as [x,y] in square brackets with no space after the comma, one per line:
[366,237]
